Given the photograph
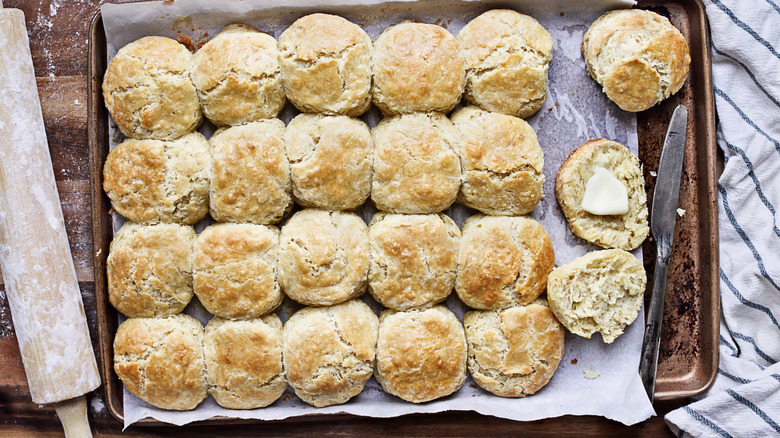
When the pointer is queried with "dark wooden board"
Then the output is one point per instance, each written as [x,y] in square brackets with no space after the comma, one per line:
[59,33]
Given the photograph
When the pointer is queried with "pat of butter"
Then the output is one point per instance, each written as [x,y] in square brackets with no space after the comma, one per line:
[605,194]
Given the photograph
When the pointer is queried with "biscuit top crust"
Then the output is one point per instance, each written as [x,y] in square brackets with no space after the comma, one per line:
[414,259]
[148,91]
[238,76]
[330,160]
[507,56]
[161,360]
[244,361]
[416,165]
[638,56]
[326,65]
[421,354]
[323,257]
[503,261]
[417,67]
[151,181]
[251,173]
[502,162]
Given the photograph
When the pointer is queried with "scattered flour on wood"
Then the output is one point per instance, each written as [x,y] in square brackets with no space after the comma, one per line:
[97,404]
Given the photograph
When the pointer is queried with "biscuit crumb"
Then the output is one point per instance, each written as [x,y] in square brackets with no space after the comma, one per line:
[591,374]
[653,174]
[574,361]
[186,41]
[680,212]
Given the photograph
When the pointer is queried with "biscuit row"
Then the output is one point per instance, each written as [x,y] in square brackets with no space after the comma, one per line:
[322,258]
[327,354]
[155,88]
[411,163]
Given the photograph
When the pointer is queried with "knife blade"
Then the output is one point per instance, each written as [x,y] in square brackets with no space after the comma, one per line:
[663,218]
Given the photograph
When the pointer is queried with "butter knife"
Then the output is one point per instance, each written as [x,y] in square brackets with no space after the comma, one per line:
[662,221]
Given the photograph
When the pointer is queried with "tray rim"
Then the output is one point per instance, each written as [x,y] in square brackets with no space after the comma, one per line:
[96,109]
[708,167]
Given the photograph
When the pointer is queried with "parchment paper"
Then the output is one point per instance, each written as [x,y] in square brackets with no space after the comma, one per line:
[593,378]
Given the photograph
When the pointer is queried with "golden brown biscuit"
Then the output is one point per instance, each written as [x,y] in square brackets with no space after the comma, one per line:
[234,270]
[414,259]
[330,161]
[514,352]
[151,181]
[329,352]
[149,269]
[251,174]
[625,231]
[417,67]
[323,257]
[638,57]
[148,91]
[160,360]
[420,354]
[503,261]
[501,160]
[416,165]
[238,77]
[601,291]
[244,368]
[326,65]
[507,56]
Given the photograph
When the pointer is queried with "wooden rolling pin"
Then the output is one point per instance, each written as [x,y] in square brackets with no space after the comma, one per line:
[40,280]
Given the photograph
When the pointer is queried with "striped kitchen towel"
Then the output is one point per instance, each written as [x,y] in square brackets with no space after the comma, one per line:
[744,401]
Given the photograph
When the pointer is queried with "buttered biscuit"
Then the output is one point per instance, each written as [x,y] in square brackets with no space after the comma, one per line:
[251,174]
[416,164]
[326,65]
[503,261]
[638,57]
[234,270]
[420,354]
[330,161]
[507,56]
[413,259]
[148,91]
[329,352]
[161,360]
[514,352]
[150,181]
[623,230]
[149,269]
[323,257]
[502,162]
[601,291]
[417,67]
[244,366]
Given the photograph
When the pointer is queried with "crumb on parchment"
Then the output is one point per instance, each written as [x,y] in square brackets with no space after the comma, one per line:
[591,374]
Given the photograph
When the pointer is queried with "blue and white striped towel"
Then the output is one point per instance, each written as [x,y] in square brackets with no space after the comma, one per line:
[744,401]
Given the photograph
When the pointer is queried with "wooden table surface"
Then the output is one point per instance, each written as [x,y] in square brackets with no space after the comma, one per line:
[58,32]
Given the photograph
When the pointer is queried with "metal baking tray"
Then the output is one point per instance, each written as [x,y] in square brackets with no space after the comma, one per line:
[689,355]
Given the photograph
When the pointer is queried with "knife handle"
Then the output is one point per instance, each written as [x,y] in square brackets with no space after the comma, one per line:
[649,359]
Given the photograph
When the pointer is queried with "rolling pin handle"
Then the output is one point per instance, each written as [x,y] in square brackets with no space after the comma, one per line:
[73,415]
